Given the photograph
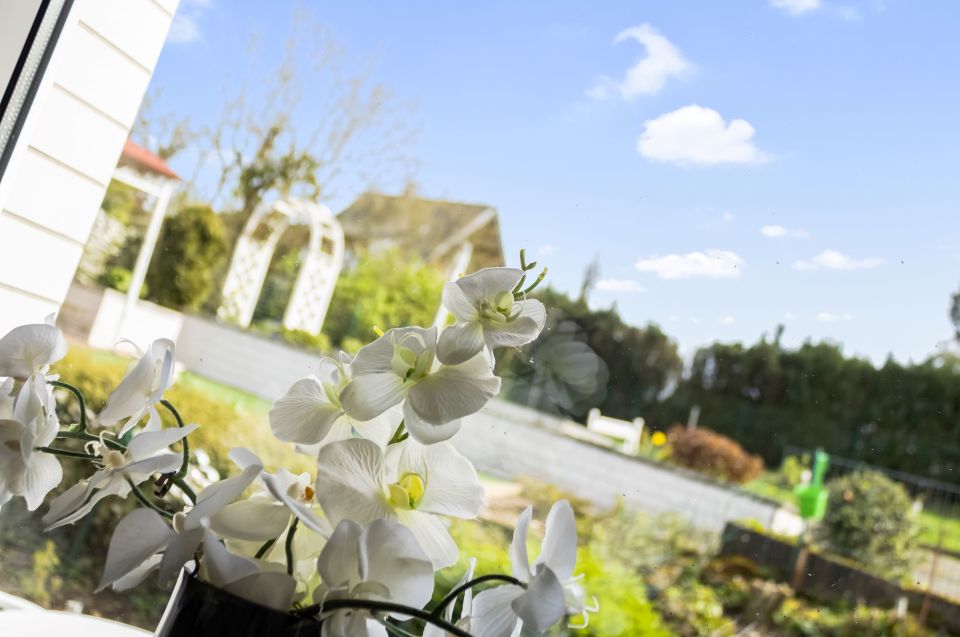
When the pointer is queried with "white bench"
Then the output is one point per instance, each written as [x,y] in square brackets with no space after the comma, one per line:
[622,430]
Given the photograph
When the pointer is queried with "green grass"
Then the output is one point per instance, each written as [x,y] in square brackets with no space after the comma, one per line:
[236,398]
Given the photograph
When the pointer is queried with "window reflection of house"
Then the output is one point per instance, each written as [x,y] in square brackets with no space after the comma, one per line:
[455,237]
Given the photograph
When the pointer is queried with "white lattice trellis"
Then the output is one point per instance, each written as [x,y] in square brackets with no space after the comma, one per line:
[318,273]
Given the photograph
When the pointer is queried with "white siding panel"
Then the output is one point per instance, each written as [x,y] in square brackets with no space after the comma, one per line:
[100,75]
[169,5]
[78,136]
[138,27]
[20,309]
[36,261]
[64,208]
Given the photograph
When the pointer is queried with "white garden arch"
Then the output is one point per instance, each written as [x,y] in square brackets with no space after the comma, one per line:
[316,279]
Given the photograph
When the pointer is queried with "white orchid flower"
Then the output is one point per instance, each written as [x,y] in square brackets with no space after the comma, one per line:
[6,398]
[147,454]
[401,367]
[28,419]
[381,562]
[310,414]
[552,591]
[30,349]
[142,533]
[141,389]
[488,315]
[25,471]
[266,515]
[135,543]
[410,483]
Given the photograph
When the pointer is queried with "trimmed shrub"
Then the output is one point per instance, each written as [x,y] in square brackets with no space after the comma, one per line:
[191,247]
[870,519]
[713,454]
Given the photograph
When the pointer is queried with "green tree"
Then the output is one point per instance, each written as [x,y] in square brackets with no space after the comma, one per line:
[191,246]
[385,290]
[955,312]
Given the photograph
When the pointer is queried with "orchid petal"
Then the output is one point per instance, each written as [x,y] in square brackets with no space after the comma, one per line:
[219,494]
[339,562]
[349,481]
[425,432]
[461,342]
[40,476]
[452,485]
[488,283]
[519,558]
[299,509]
[27,349]
[139,535]
[273,589]
[432,536]
[305,414]
[179,551]
[492,613]
[458,304]
[559,551]
[370,395]
[454,391]
[253,520]
[542,605]
[148,443]
[390,555]
[220,565]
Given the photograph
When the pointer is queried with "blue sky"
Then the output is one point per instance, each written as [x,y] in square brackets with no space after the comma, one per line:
[732,165]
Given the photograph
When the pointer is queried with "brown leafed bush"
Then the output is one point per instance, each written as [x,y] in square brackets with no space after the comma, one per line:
[708,452]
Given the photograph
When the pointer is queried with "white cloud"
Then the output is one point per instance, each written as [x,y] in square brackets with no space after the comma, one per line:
[833,260]
[830,317]
[727,320]
[698,135]
[796,7]
[728,217]
[789,316]
[619,285]
[714,264]
[546,250]
[779,232]
[648,75]
[185,27]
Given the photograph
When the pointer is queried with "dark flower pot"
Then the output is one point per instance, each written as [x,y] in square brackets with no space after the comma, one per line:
[198,609]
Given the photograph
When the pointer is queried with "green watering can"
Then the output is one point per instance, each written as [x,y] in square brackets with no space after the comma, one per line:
[812,497]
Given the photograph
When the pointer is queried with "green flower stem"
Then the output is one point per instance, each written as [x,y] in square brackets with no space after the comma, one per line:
[190,493]
[385,607]
[266,547]
[289,544]
[138,494]
[83,404]
[493,577]
[68,453]
[399,435]
[186,446]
